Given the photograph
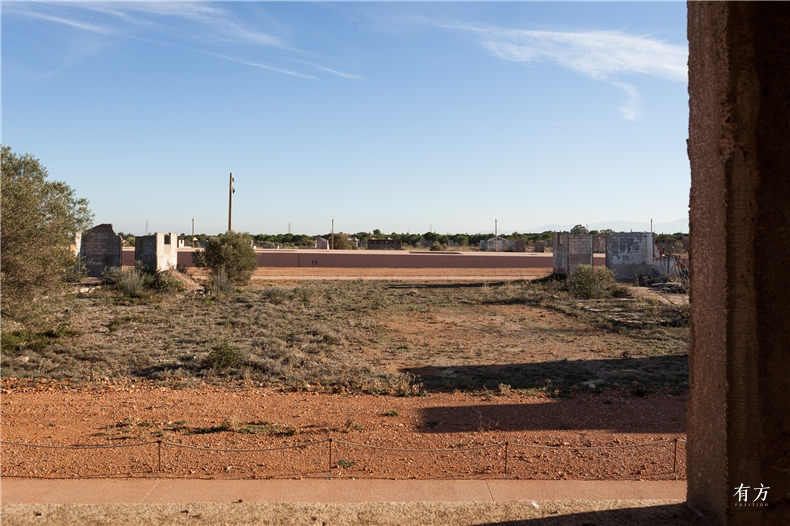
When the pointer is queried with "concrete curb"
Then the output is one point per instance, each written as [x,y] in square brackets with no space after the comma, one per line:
[159,491]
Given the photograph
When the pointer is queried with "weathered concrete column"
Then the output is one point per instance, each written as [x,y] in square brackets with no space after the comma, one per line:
[739,146]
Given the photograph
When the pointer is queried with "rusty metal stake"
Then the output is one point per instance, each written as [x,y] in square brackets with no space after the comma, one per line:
[330,457]
[506,445]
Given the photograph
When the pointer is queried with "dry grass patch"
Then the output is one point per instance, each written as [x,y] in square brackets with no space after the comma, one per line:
[370,336]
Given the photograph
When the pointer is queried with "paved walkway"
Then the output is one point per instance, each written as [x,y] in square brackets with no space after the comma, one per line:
[160,491]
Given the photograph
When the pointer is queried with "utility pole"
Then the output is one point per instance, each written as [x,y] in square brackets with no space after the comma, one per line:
[193,232]
[333,234]
[496,236]
[231,191]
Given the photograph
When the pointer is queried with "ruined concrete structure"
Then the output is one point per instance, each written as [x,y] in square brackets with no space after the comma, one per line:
[100,249]
[539,247]
[321,243]
[599,244]
[570,251]
[77,246]
[157,252]
[496,244]
[633,254]
[739,99]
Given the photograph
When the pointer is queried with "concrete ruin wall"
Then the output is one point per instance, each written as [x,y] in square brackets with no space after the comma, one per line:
[100,249]
[496,244]
[157,252]
[570,251]
[599,244]
[539,247]
[322,243]
[77,246]
[633,254]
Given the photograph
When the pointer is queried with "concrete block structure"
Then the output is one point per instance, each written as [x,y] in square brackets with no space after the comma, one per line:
[496,244]
[539,247]
[157,252]
[100,249]
[633,254]
[322,243]
[77,246]
[570,251]
[599,244]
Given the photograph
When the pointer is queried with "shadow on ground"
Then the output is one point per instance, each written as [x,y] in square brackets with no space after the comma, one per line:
[562,375]
[666,515]
[622,415]
[623,402]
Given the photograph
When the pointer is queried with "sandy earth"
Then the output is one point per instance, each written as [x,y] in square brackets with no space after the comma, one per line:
[53,414]
[544,513]
[440,435]
[147,430]
[433,274]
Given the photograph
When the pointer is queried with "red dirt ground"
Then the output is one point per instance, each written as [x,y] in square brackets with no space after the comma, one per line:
[372,436]
[146,430]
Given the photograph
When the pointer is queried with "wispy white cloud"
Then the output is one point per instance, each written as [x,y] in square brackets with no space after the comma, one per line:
[629,110]
[71,22]
[198,27]
[600,55]
[338,73]
[210,22]
[265,67]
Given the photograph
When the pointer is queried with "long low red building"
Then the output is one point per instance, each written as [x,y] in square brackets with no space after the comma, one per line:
[385,259]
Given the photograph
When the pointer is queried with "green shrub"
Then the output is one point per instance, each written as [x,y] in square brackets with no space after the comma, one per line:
[199,258]
[220,283]
[276,294]
[166,282]
[304,293]
[232,252]
[38,219]
[129,282]
[27,340]
[588,282]
[76,273]
[224,356]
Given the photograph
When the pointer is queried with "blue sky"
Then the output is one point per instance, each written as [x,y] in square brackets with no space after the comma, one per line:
[401,116]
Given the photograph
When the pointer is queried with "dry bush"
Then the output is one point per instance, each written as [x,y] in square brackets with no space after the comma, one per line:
[362,337]
[588,282]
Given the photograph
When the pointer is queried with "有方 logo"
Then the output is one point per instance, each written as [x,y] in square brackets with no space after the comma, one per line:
[742,492]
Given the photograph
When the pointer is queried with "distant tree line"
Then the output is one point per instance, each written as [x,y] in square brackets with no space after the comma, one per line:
[407,240]
[426,240]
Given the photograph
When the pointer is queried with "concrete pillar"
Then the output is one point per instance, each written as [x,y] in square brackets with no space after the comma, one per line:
[739,146]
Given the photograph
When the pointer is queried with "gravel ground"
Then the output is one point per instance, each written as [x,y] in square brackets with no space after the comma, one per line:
[437,436]
[543,513]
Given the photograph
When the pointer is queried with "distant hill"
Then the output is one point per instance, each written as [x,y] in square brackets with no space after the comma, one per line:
[679,225]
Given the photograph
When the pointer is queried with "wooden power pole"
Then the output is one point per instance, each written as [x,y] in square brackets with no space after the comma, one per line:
[231,191]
